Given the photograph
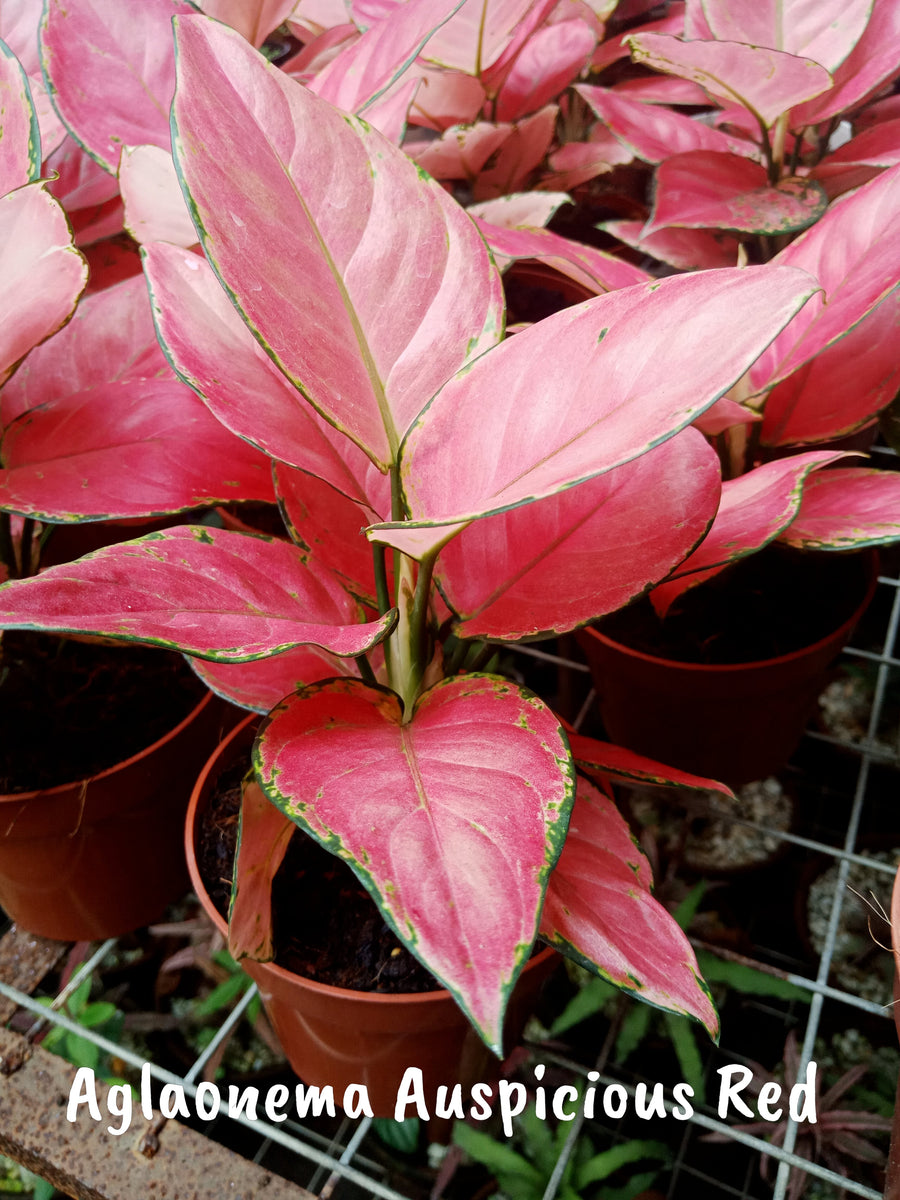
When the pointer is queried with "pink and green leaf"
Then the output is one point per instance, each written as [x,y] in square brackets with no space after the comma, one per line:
[347,221]
[261,684]
[41,273]
[600,911]
[520,154]
[20,139]
[822,30]
[595,269]
[110,69]
[602,543]
[131,448]
[706,189]
[549,61]
[476,788]
[607,762]
[214,352]
[756,507]
[588,389]
[229,597]
[656,133]
[846,509]
[110,337]
[263,837]
[686,249]
[765,82]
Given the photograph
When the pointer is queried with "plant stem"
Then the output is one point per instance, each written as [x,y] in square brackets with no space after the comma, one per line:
[25,548]
[778,144]
[365,669]
[382,595]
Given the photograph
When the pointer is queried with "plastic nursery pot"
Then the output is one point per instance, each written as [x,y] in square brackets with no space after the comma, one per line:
[96,858]
[735,722]
[535,290]
[336,1037]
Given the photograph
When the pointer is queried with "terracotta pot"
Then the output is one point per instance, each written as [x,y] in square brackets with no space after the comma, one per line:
[96,858]
[732,722]
[335,1037]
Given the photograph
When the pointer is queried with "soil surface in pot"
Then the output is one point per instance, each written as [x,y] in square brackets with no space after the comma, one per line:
[71,709]
[768,604]
[327,928]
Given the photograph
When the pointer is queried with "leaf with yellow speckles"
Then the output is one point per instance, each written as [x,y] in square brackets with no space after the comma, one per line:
[452,821]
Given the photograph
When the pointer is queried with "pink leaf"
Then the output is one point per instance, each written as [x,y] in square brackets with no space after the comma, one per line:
[475,788]
[847,508]
[766,82]
[532,209]
[41,272]
[213,351]
[755,508]
[616,48]
[687,249]
[230,597]
[390,113]
[19,20]
[154,206]
[602,544]
[111,69]
[822,30]
[576,162]
[520,154]
[332,526]
[253,19]
[259,685]
[872,64]
[318,304]
[263,837]
[600,911]
[478,34]
[594,268]
[724,414]
[605,761]
[110,337]
[860,159]
[82,184]
[549,61]
[654,134]
[363,70]
[853,251]
[20,142]
[705,189]
[445,98]
[461,151]
[604,382]
[131,448]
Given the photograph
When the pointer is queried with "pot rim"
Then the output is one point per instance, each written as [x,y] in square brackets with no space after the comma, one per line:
[439,995]
[60,789]
[841,632]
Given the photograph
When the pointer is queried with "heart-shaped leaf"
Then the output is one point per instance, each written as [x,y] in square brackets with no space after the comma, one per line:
[766,82]
[355,224]
[229,597]
[132,448]
[845,509]
[704,189]
[588,389]
[755,508]
[110,68]
[20,139]
[452,821]
[600,911]
[602,543]
[41,272]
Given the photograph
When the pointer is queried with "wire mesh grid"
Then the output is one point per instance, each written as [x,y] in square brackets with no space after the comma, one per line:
[852,776]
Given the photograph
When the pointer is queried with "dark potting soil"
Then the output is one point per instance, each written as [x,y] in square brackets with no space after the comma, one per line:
[326,926]
[70,709]
[768,604]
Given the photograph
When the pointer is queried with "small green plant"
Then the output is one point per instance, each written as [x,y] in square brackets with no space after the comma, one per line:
[523,1172]
[99,1015]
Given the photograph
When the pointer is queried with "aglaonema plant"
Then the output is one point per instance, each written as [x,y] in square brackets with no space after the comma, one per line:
[436,480]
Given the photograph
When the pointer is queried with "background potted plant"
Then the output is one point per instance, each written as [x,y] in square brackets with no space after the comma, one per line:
[743,182]
[496,469]
[89,406]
